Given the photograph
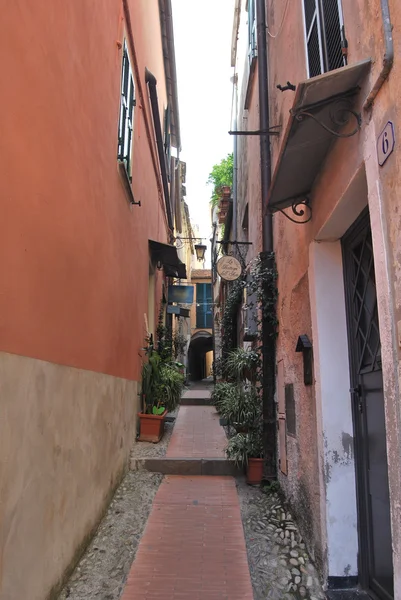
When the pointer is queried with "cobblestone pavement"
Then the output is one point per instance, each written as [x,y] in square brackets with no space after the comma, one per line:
[103,569]
[278,561]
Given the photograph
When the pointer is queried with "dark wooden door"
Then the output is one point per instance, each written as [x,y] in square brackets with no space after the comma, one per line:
[375,547]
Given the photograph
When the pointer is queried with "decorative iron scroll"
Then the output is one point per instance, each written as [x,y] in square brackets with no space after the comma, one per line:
[340,115]
[301,209]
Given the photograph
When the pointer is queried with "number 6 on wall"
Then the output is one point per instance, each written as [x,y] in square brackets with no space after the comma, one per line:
[385,143]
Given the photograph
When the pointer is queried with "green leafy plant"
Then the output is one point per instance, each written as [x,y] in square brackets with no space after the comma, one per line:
[179,344]
[221,392]
[150,381]
[162,381]
[273,487]
[170,385]
[242,364]
[243,446]
[221,175]
[229,319]
[242,407]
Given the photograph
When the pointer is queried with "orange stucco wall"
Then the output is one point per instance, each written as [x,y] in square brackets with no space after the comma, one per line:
[73,252]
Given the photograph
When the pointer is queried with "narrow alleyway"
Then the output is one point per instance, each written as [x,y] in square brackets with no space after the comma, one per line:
[206,537]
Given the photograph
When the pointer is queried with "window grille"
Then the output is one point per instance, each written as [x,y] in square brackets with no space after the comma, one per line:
[324,31]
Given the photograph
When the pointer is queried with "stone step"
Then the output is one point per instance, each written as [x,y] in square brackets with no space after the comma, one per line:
[186,466]
[191,401]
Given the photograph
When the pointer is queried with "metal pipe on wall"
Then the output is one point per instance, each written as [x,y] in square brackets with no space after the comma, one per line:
[388,55]
[268,335]
[235,161]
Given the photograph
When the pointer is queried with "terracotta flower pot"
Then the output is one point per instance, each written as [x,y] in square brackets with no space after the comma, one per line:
[151,427]
[254,471]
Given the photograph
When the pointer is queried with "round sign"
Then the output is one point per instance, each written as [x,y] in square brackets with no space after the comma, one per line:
[229,268]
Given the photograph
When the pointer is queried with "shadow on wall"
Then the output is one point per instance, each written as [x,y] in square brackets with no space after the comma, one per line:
[199,364]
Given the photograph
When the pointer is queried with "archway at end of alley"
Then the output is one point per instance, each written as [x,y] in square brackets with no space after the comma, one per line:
[200,356]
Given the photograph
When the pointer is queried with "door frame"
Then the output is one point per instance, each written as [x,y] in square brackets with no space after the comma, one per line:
[361,466]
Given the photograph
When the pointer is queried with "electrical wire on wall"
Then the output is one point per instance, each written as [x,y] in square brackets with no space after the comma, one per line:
[281,24]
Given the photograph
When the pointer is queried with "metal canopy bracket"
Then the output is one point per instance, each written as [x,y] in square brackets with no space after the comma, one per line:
[271,131]
[323,108]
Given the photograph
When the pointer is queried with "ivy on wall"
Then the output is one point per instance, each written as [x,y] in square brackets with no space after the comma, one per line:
[263,284]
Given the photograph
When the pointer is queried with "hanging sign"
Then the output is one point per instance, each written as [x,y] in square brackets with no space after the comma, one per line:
[183,294]
[229,268]
[385,143]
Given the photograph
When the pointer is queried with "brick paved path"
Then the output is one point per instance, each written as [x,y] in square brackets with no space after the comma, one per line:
[193,547]
[197,434]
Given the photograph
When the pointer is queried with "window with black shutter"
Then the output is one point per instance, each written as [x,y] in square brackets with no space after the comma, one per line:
[167,140]
[252,34]
[126,120]
[324,32]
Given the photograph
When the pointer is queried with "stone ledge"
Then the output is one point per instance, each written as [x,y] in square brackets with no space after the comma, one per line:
[196,402]
[347,595]
[186,466]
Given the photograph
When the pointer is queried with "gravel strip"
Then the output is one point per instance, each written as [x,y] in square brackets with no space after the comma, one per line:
[104,567]
[150,450]
[278,561]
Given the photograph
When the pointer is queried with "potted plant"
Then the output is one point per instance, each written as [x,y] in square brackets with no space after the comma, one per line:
[153,413]
[162,385]
[246,449]
[243,364]
[241,406]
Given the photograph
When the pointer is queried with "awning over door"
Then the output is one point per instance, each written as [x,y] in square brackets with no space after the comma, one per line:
[323,109]
[167,255]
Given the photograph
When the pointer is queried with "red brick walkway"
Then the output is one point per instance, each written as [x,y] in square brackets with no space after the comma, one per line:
[197,434]
[193,547]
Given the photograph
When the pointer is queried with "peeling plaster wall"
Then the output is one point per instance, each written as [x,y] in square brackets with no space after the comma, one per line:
[332,205]
[332,385]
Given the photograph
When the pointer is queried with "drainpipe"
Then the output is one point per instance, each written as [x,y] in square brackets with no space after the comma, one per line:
[268,337]
[235,171]
[152,82]
[213,270]
[388,55]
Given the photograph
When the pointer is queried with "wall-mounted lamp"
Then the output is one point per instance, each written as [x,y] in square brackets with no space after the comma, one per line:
[200,250]
[304,345]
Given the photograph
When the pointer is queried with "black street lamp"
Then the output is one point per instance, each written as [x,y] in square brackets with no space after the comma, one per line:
[200,250]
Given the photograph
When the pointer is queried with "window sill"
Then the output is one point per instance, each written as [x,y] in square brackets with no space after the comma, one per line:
[126,182]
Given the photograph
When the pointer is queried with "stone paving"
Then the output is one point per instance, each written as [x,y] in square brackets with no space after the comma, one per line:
[196,528]
[279,564]
[197,434]
[193,547]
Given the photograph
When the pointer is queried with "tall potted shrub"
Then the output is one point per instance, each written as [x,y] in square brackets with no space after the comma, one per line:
[162,385]
[246,450]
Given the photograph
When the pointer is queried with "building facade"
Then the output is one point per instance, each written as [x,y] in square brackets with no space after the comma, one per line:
[332,93]
[89,115]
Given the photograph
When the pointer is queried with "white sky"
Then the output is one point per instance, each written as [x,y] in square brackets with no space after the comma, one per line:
[202,36]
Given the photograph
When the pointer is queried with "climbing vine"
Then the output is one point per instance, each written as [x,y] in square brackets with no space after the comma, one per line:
[263,282]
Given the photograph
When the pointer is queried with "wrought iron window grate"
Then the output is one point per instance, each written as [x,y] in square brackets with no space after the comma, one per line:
[324,39]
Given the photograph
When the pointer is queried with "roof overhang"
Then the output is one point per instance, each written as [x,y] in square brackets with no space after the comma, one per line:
[166,21]
[167,255]
[323,109]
